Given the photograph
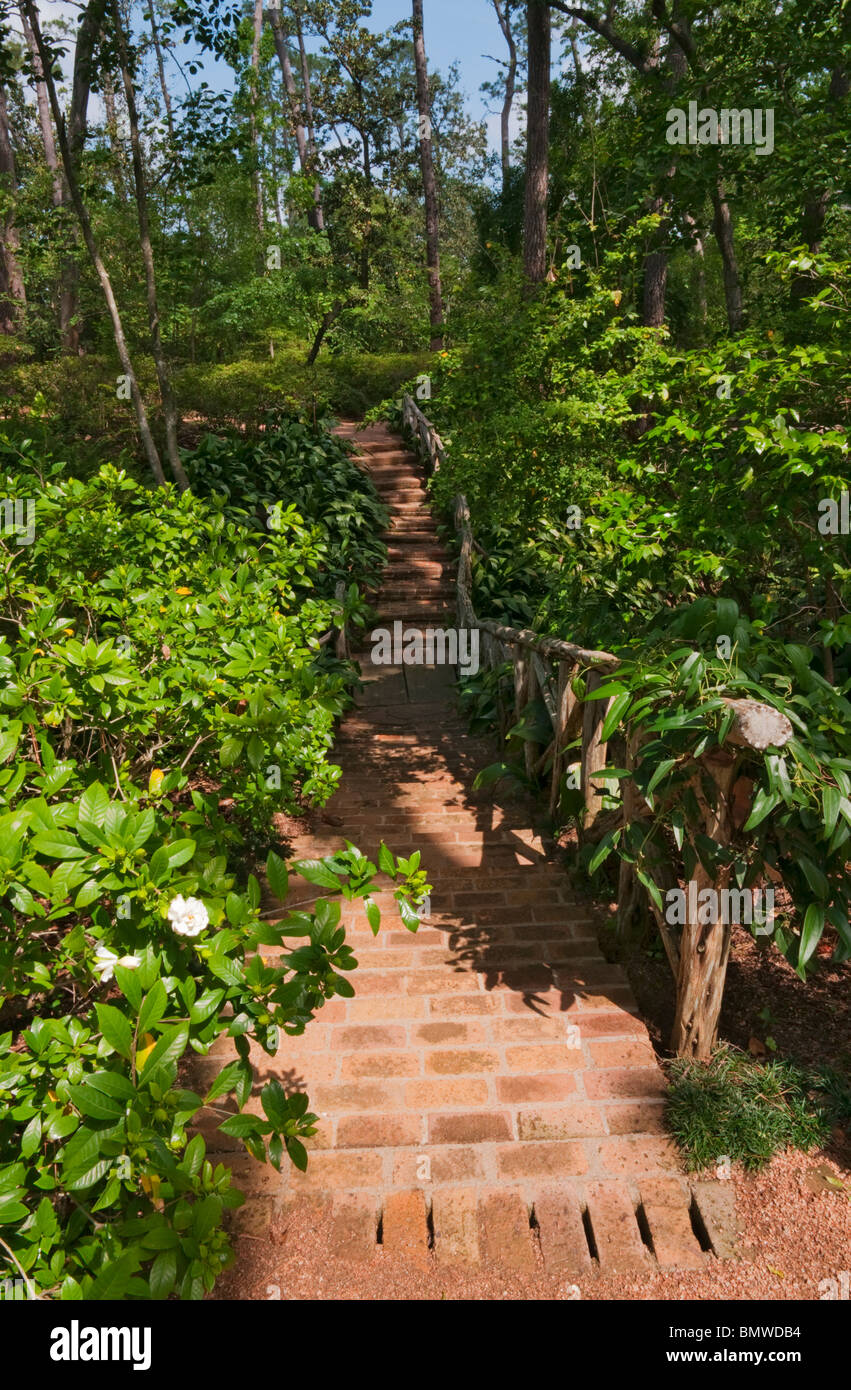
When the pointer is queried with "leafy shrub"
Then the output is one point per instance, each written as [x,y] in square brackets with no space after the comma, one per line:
[247,390]
[159,663]
[700,477]
[314,473]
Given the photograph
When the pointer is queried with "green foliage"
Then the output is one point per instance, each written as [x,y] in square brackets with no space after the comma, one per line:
[669,692]
[698,479]
[314,472]
[164,692]
[745,1111]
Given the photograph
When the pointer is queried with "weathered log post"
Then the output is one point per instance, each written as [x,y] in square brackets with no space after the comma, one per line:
[593,749]
[705,946]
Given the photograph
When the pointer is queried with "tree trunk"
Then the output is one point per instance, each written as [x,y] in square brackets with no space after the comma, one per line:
[705,948]
[114,142]
[503,14]
[697,245]
[537,143]
[255,72]
[68,330]
[311,132]
[435,288]
[51,158]
[92,248]
[163,377]
[367,174]
[328,320]
[158,50]
[722,226]
[13,299]
[655,275]
[88,33]
[292,107]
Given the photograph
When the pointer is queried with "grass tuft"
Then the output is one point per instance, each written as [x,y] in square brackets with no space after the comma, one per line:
[734,1106]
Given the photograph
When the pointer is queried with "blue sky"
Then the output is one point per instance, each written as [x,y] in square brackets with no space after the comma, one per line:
[455,30]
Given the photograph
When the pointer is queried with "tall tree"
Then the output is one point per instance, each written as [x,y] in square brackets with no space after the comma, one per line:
[73,185]
[158,50]
[505,13]
[537,142]
[643,55]
[308,111]
[140,182]
[435,288]
[69,322]
[12,292]
[293,109]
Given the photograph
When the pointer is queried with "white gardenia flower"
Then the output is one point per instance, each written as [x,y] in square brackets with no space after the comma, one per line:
[106,961]
[188,916]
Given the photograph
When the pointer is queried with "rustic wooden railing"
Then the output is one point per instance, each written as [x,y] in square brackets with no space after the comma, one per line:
[546,668]
[426,436]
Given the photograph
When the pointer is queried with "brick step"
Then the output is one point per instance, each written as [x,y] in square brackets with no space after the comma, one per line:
[583,1232]
[412,538]
[432,614]
[402,590]
[425,557]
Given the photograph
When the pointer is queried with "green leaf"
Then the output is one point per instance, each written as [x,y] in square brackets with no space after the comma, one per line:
[153,1008]
[130,985]
[112,1083]
[230,751]
[297,1153]
[810,932]
[830,806]
[168,1050]
[278,876]
[207,1215]
[620,704]
[316,872]
[94,804]
[114,1279]
[163,1274]
[94,1103]
[274,1103]
[386,862]
[59,844]
[373,914]
[661,770]
[116,1028]
[604,849]
[764,803]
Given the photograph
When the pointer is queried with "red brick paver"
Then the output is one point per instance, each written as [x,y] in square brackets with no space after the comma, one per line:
[489,1094]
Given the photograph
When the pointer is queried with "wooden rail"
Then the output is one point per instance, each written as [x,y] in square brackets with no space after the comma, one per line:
[429,441]
[546,669]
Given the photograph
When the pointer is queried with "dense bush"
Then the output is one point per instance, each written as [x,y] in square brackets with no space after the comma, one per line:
[665,505]
[77,406]
[164,693]
[247,390]
[313,471]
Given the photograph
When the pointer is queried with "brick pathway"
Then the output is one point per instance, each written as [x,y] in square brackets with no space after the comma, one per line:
[489,1095]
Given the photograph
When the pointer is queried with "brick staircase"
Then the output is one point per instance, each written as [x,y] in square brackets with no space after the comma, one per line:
[489,1096]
